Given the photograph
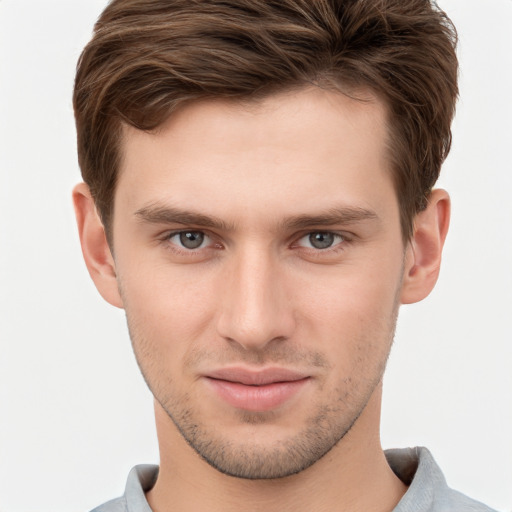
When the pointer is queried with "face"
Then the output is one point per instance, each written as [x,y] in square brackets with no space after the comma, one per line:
[259,258]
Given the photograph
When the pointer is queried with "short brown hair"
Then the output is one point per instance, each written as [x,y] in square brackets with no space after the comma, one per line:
[147,57]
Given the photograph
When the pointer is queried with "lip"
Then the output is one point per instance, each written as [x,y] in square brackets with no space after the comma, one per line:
[261,390]
[256,377]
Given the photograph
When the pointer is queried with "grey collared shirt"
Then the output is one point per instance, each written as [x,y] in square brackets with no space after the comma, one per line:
[428,491]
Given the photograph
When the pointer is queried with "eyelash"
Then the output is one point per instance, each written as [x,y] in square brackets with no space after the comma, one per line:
[344,240]
[183,251]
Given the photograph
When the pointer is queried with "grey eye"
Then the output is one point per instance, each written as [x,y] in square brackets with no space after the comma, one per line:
[191,239]
[321,240]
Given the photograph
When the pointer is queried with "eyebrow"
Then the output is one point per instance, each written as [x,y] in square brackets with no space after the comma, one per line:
[159,214]
[344,215]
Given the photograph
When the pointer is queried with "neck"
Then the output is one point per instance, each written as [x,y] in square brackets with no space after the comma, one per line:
[353,477]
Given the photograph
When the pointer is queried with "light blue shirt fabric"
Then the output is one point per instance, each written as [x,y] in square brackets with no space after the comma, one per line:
[428,491]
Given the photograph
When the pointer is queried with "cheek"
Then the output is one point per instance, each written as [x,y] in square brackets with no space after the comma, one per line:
[168,313]
[353,315]
[167,295]
[354,295]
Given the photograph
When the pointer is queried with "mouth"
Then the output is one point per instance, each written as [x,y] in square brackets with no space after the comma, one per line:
[256,391]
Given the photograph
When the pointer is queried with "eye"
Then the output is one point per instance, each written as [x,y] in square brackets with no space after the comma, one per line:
[189,239]
[321,240]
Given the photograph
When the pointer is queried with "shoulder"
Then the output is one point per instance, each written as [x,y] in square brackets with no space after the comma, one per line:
[428,490]
[456,501]
[117,505]
[140,480]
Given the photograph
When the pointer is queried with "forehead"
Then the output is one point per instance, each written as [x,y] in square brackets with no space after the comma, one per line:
[295,149]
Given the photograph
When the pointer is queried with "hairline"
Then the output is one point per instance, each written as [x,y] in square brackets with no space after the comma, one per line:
[362,93]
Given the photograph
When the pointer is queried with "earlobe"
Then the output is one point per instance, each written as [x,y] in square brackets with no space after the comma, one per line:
[95,248]
[424,251]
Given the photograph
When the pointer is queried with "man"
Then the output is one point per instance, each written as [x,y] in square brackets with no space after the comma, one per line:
[259,198]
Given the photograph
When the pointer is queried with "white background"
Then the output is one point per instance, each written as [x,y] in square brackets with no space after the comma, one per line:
[74,412]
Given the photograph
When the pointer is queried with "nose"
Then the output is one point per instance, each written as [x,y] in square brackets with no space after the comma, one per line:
[255,308]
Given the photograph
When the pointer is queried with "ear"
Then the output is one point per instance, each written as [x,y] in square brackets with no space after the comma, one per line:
[95,248]
[423,253]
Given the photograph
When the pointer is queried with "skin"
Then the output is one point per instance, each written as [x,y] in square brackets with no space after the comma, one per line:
[258,186]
